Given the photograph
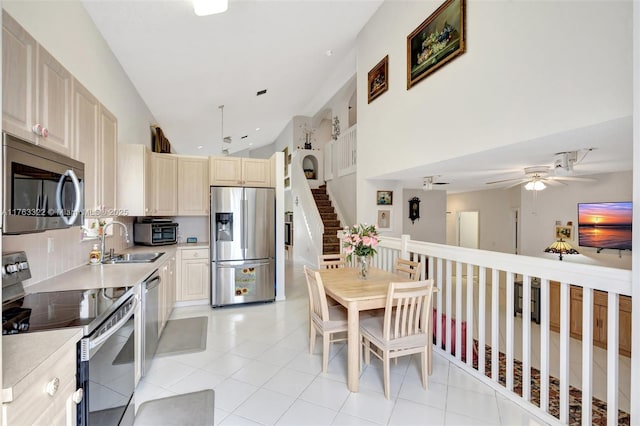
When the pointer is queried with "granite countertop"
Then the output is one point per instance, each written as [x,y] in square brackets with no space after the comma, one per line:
[23,353]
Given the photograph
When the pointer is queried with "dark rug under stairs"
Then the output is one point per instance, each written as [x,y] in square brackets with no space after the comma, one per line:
[330,243]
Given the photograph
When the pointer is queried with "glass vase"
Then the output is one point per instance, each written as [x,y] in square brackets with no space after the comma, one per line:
[364,267]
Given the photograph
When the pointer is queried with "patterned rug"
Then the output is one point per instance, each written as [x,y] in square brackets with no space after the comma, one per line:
[599,416]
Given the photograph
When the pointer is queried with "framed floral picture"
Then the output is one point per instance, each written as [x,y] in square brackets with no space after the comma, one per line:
[437,41]
[384,198]
[378,79]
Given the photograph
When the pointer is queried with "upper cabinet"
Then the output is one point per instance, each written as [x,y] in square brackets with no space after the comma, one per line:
[53,104]
[86,116]
[36,91]
[134,179]
[18,79]
[236,171]
[193,186]
[164,172]
[108,146]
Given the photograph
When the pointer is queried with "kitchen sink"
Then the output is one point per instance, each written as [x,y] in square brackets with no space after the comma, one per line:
[134,258]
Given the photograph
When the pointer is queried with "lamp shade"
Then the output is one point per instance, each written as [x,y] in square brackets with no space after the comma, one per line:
[561,247]
[209,7]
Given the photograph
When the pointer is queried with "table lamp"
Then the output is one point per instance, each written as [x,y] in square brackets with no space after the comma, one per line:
[561,247]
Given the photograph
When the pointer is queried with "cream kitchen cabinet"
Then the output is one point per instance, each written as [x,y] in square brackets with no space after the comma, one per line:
[164,171]
[134,179]
[236,171]
[193,186]
[95,139]
[36,91]
[167,292]
[193,274]
[48,393]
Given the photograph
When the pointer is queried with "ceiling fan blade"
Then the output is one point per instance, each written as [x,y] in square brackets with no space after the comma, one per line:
[573,178]
[520,182]
[553,182]
[507,180]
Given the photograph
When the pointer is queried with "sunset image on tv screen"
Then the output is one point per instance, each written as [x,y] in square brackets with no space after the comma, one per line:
[605,225]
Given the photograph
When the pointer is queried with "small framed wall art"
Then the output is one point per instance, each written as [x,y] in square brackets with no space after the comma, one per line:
[438,40]
[384,198]
[378,80]
[384,219]
[563,232]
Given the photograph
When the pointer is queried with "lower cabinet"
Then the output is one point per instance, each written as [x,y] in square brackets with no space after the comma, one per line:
[49,394]
[167,293]
[600,316]
[193,274]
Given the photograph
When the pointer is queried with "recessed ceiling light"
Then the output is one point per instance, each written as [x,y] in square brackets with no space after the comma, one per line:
[250,144]
[329,52]
[199,147]
[257,129]
[209,7]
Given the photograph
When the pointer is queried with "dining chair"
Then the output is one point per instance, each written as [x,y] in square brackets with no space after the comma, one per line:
[411,268]
[403,329]
[332,261]
[323,319]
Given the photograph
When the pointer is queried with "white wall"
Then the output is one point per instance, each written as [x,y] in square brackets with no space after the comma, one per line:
[529,70]
[431,225]
[560,203]
[495,216]
[65,29]
[343,197]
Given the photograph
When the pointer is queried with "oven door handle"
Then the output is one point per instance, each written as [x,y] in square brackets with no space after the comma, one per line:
[76,187]
[93,343]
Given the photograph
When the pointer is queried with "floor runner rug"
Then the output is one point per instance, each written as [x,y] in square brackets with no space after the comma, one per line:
[190,409]
[599,407]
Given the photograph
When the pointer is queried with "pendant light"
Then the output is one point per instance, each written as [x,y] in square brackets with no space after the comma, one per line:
[209,7]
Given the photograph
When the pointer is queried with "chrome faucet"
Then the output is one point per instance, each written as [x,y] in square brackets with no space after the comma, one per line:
[104,234]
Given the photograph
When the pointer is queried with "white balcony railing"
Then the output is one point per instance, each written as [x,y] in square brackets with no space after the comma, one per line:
[477,289]
[340,155]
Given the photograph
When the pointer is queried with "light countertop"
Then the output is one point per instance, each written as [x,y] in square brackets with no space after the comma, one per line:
[23,353]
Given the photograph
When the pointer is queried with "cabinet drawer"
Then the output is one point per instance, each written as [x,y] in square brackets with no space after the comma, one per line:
[195,254]
[34,398]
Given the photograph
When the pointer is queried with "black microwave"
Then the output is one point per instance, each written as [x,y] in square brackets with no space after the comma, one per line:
[155,233]
[42,189]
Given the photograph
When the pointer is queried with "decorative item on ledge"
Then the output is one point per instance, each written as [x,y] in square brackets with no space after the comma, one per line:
[361,240]
[159,142]
[561,247]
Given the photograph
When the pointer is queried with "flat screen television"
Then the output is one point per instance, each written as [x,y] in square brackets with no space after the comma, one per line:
[605,225]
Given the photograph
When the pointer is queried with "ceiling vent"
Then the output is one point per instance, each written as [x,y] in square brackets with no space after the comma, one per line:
[261,92]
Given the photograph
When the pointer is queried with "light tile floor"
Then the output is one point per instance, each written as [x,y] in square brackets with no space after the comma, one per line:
[257,360]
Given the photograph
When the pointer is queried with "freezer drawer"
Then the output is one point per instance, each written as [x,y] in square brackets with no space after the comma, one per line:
[242,282]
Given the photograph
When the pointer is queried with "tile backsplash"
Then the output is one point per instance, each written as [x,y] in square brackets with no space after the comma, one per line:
[53,252]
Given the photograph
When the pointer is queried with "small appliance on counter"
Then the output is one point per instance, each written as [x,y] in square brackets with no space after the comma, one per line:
[155,231]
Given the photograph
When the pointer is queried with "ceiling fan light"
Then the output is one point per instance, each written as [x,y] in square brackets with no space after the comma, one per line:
[209,7]
[535,186]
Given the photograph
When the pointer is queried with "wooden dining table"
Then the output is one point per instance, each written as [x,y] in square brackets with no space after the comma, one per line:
[355,294]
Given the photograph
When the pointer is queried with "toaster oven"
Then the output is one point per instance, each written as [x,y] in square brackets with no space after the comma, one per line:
[155,233]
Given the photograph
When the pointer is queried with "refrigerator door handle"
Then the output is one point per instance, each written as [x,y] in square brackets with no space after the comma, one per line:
[245,216]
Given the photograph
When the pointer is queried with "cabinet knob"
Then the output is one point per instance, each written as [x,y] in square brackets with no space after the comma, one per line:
[77,396]
[52,386]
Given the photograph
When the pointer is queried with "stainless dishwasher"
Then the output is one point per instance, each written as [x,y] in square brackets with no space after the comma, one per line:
[150,302]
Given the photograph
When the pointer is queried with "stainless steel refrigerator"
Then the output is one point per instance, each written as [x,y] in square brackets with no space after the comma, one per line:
[242,245]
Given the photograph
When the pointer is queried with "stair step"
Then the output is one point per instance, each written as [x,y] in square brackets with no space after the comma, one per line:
[332,224]
[320,196]
[328,216]
[323,203]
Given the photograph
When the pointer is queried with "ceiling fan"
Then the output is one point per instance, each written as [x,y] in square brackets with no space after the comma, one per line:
[429,181]
[537,178]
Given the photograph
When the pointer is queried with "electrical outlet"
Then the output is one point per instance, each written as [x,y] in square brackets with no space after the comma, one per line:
[50,245]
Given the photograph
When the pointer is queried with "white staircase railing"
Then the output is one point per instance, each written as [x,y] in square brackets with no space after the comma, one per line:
[307,227]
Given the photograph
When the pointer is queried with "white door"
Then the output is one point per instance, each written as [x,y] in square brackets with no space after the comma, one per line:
[468,229]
